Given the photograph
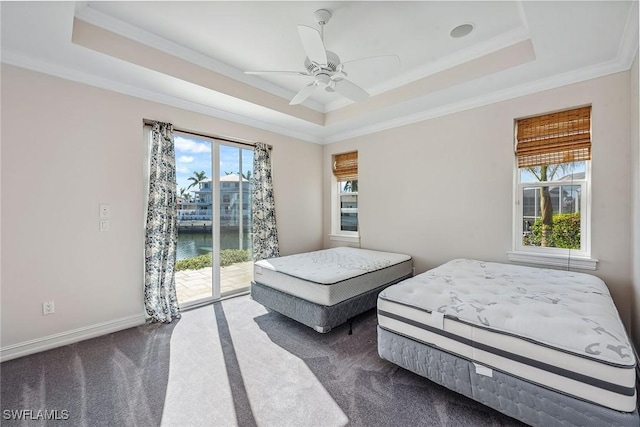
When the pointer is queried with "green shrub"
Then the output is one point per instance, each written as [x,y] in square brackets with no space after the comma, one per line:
[565,232]
[232,256]
[195,263]
[227,257]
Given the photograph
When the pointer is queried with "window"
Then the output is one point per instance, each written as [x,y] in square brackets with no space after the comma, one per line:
[348,195]
[345,197]
[553,174]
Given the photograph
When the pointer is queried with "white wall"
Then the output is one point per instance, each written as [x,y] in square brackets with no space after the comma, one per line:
[635,216]
[437,189]
[443,188]
[66,148]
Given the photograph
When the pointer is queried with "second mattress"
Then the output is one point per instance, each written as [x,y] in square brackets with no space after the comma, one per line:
[330,276]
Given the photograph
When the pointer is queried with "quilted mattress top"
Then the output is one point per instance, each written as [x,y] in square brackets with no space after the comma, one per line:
[570,311]
[333,265]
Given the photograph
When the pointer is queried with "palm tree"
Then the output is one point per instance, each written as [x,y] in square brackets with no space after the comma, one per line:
[185,194]
[196,179]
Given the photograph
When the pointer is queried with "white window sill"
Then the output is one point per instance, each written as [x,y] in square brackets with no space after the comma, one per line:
[344,238]
[553,260]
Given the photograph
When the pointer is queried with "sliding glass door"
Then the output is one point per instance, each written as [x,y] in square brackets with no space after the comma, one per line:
[236,175]
[214,218]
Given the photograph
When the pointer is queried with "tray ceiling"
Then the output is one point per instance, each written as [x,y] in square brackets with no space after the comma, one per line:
[194,54]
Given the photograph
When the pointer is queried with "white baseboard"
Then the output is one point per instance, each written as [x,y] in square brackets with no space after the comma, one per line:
[57,340]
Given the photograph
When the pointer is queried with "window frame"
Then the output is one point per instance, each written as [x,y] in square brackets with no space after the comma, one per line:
[342,194]
[337,234]
[555,257]
[556,137]
[584,220]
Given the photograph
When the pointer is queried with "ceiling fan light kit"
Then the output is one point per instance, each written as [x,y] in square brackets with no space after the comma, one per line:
[325,66]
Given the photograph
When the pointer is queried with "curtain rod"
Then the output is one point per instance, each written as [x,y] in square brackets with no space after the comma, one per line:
[148,122]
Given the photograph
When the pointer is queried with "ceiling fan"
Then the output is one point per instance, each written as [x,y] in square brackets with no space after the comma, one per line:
[325,66]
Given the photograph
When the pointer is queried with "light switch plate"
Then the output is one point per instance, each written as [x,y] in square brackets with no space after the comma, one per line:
[104,225]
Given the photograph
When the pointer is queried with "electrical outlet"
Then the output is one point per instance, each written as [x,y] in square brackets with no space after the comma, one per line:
[105,211]
[48,307]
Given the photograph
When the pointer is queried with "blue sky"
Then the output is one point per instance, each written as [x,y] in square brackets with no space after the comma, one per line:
[576,167]
[193,154]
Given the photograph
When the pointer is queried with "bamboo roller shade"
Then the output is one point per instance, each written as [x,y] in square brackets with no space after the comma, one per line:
[554,138]
[345,166]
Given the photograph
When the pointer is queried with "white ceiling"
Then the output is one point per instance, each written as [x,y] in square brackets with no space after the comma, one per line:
[193,54]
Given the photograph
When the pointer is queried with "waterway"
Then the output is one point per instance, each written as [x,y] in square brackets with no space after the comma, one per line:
[193,244]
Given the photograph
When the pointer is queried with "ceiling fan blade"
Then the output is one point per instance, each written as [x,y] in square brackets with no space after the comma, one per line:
[351,90]
[371,70]
[379,61]
[313,44]
[290,73]
[303,94]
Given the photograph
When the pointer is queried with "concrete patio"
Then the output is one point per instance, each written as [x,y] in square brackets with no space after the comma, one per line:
[192,285]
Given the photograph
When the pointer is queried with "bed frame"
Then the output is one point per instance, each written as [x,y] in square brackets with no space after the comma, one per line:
[319,317]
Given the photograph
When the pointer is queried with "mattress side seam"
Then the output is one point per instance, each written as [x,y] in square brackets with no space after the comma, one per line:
[626,391]
[343,280]
[514,335]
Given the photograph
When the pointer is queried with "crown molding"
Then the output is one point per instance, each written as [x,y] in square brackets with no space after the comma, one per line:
[629,44]
[318,134]
[94,17]
[22,61]
[627,52]
[502,41]
[576,76]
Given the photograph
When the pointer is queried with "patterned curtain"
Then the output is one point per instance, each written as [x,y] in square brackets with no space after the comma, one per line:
[265,234]
[161,235]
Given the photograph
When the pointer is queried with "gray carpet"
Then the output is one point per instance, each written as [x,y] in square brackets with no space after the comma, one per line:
[232,364]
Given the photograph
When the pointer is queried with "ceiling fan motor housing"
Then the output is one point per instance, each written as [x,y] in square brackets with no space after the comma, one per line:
[332,64]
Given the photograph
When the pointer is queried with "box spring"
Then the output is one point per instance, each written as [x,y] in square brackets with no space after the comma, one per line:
[513,396]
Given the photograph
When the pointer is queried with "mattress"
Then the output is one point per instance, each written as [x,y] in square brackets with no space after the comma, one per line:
[556,329]
[330,276]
